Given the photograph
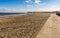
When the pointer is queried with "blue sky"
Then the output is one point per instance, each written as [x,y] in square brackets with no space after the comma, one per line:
[29,5]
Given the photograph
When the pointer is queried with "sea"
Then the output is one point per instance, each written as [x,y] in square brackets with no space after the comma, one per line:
[10,14]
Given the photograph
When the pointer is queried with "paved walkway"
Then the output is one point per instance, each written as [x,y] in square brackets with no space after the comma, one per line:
[51,28]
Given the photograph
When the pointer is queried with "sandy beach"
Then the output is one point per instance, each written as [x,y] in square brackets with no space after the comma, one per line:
[24,26]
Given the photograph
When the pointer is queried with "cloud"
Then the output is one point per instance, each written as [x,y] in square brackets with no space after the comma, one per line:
[28,1]
[50,8]
[39,5]
[4,9]
[33,3]
[29,5]
[55,8]
[37,1]
[45,8]
[7,10]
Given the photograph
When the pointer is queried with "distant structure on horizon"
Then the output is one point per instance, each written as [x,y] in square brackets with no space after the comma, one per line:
[43,12]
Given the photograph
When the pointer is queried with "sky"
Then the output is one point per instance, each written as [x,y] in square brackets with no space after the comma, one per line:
[29,5]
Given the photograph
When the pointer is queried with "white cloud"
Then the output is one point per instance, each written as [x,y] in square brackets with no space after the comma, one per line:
[44,8]
[37,1]
[28,1]
[49,8]
[38,6]
[34,3]
[29,5]
[7,10]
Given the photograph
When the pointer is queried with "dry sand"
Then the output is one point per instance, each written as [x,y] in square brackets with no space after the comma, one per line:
[25,26]
[51,29]
[30,25]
